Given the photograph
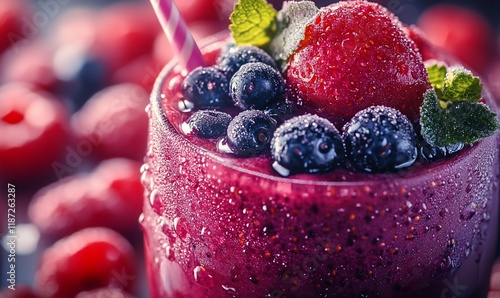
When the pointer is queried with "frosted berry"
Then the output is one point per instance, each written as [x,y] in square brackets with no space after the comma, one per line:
[307,144]
[256,86]
[354,55]
[380,139]
[432,153]
[250,133]
[206,87]
[281,110]
[234,57]
[209,124]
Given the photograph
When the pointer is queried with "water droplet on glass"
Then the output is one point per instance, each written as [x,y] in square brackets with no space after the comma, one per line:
[469,211]
[202,276]
[152,196]
[180,227]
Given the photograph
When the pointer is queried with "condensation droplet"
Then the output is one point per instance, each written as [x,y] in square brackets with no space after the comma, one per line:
[202,276]
[152,196]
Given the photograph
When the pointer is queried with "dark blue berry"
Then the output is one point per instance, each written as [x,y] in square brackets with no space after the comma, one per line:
[380,139]
[234,57]
[209,124]
[256,86]
[432,153]
[206,87]
[281,110]
[82,78]
[250,133]
[307,144]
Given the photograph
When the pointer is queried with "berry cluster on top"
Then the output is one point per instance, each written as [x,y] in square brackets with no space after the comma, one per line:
[246,79]
[354,64]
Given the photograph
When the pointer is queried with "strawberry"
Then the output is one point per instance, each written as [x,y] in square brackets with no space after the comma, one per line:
[355,54]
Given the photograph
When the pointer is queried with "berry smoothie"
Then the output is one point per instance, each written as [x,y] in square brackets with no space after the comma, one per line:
[226,218]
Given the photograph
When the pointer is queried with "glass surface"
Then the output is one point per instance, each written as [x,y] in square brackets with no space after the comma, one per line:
[220,226]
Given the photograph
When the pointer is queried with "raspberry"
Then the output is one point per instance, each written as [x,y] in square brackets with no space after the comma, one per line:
[355,55]
[34,128]
[307,144]
[111,196]
[89,259]
[114,122]
[380,139]
[250,133]
[30,62]
[256,86]
[11,26]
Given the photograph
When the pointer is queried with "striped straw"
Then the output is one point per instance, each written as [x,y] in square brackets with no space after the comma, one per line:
[178,34]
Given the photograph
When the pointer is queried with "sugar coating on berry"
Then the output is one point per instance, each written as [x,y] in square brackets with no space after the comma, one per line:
[209,124]
[234,57]
[250,133]
[307,144]
[380,139]
[355,54]
[256,86]
[206,87]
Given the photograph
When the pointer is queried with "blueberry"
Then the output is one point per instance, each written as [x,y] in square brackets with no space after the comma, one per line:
[209,124]
[206,87]
[250,133]
[307,144]
[82,78]
[256,86]
[281,110]
[234,57]
[432,153]
[380,139]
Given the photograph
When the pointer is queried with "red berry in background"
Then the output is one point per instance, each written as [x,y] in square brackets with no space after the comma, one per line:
[196,10]
[111,197]
[31,63]
[104,293]
[141,71]
[89,259]
[125,31]
[75,26]
[115,122]
[14,16]
[348,50]
[460,31]
[34,128]
[163,52]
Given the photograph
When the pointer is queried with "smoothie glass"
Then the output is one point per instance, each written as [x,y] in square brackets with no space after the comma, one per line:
[220,226]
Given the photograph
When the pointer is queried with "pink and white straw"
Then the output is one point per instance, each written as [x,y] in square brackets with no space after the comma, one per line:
[178,34]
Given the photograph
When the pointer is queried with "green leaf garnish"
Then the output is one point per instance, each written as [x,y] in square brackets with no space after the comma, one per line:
[292,20]
[253,22]
[436,73]
[450,112]
[461,85]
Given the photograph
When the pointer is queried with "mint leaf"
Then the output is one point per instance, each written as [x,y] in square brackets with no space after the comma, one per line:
[253,22]
[436,74]
[461,85]
[461,121]
[292,20]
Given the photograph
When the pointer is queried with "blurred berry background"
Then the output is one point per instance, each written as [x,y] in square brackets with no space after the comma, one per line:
[74,82]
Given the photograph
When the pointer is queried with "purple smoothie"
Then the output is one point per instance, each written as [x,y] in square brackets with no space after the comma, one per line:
[220,226]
